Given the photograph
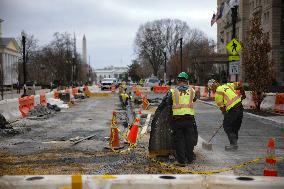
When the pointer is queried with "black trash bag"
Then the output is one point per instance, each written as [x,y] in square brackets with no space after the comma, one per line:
[161,140]
[56,108]
[3,122]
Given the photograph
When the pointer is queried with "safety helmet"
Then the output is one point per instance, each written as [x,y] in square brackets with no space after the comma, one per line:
[183,76]
[211,82]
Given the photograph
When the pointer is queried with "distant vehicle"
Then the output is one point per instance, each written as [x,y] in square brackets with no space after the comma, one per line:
[151,82]
[108,82]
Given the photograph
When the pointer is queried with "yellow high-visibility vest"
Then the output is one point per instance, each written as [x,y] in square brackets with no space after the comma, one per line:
[226,96]
[183,102]
[124,96]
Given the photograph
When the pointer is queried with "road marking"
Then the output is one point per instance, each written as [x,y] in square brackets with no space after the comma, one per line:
[144,129]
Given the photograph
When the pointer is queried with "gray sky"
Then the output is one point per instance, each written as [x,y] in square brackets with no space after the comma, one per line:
[109,25]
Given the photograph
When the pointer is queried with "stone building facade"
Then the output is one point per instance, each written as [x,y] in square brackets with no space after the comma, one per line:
[271,13]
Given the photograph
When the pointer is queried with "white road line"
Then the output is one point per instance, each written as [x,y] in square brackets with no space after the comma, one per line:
[144,129]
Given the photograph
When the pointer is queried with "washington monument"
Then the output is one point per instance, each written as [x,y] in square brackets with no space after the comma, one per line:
[84,50]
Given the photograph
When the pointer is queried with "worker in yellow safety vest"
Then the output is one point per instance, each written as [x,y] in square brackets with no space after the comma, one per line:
[230,103]
[180,101]
[124,98]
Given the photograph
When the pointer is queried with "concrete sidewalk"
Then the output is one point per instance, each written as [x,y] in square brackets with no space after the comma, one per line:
[14,94]
[276,119]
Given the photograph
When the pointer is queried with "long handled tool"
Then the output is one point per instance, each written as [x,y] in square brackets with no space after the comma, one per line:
[208,145]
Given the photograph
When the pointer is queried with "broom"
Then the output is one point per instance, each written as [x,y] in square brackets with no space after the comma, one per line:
[208,145]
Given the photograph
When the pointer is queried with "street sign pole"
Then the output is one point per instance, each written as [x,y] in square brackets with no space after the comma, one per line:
[234,20]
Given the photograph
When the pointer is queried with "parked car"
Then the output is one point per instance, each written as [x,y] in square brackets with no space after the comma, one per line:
[108,82]
[151,82]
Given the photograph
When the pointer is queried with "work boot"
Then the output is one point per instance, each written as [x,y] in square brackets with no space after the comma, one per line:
[231,148]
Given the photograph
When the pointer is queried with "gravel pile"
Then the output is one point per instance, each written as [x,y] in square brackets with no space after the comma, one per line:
[43,112]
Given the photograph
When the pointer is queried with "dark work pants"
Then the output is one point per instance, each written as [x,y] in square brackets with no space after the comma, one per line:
[184,135]
[232,123]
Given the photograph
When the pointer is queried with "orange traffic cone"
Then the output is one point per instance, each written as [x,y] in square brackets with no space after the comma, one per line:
[270,160]
[113,88]
[133,133]
[145,102]
[114,134]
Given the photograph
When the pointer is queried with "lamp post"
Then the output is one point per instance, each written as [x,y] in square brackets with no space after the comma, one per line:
[24,61]
[72,69]
[180,54]
[165,73]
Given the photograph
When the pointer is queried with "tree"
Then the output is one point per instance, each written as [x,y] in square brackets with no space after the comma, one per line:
[134,71]
[156,37]
[257,66]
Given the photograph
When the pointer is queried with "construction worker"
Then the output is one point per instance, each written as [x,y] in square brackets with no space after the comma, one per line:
[182,121]
[124,98]
[230,103]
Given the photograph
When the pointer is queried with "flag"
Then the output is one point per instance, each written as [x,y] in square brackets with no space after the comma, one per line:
[220,13]
[233,3]
[226,10]
[213,19]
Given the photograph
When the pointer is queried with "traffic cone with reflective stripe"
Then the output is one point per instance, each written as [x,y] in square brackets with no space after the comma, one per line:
[270,160]
[133,133]
[114,134]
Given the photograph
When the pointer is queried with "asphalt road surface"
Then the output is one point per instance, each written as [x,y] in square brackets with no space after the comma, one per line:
[45,146]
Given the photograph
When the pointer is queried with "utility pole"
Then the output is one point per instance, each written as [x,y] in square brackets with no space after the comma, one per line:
[180,54]
[24,61]
[165,73]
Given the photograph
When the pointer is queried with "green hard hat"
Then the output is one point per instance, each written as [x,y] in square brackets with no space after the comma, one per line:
[183,75]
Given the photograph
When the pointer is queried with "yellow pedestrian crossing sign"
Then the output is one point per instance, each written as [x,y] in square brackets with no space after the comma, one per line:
[234,47]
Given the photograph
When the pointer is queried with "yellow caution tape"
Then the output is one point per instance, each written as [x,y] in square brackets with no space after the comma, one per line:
[105,177]
[77,182]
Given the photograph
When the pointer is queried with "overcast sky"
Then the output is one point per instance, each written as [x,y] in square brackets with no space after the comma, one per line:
[109,25]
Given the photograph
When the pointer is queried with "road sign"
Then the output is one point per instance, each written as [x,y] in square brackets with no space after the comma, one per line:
[234,47]
[234,68]
[234,58]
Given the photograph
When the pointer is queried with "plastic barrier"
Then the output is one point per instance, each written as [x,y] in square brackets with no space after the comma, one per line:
[10,109]
[75,91]
[140,181]
[279,103]
[26,104]
[56,94]
[268,102]
[248,101]
[42,97]
[161,89]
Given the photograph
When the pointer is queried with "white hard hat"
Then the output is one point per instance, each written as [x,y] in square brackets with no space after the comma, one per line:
[210,83]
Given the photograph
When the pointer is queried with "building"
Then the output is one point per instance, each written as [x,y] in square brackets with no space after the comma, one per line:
[111,72]
[271,13]
[9,57]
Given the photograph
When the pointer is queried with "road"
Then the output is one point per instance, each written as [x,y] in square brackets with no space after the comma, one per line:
[44,146]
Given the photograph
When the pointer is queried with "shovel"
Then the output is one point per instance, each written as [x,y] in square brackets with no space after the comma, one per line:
[208,145]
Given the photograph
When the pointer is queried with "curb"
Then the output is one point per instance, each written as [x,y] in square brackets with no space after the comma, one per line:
[247,113]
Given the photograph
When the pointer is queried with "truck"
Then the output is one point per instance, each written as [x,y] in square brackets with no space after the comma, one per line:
[108,82]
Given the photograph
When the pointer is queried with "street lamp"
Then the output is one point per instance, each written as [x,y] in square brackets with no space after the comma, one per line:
[73,69]
[165,73]
[24,60]
[180,54]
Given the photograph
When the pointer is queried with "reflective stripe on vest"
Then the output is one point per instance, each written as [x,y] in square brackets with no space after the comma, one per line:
[226,97]
[183,104]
